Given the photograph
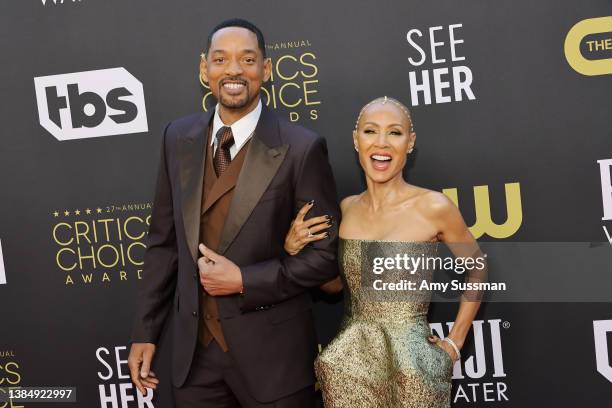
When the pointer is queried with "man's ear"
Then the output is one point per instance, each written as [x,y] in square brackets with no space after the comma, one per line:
[267,69]
[203,69]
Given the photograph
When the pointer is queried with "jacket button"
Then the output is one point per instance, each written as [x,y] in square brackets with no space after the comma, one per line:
[194,313]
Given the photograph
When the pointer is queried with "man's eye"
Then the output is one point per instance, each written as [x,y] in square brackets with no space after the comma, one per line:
[250,60]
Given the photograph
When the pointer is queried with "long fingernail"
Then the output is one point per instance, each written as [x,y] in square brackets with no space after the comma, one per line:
[311,202]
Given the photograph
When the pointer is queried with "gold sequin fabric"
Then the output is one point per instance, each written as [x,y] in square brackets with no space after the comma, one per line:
[381,356]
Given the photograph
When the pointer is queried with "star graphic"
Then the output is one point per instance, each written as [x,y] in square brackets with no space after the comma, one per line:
[55,213]
[77,212]
[98,210]
[87,211]
[66,213]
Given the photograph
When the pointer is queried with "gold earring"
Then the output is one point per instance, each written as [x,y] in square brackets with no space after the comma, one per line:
[356,149]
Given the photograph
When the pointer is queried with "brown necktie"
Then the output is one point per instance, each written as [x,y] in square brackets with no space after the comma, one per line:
[223,158]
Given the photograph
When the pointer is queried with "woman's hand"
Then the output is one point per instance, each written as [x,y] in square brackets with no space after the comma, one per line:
[444,346]
[303,232]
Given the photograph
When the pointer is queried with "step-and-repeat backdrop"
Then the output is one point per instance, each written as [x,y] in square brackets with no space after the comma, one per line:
[512,108]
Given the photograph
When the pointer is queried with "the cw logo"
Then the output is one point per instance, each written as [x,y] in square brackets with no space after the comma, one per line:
[575,36]
[484,224]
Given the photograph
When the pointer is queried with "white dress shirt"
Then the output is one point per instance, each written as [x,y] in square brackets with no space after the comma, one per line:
[242,129]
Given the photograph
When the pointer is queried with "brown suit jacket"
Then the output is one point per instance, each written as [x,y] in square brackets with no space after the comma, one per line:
[269,330]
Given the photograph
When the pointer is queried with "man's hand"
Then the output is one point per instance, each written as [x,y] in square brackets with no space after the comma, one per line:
[139,362]
[218,275]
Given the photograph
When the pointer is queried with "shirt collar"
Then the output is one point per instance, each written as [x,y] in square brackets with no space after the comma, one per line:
[241,129]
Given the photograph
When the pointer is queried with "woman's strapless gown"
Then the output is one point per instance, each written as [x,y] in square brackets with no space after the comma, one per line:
[381,357]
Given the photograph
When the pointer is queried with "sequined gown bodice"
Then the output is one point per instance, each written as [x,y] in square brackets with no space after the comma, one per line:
[381,356]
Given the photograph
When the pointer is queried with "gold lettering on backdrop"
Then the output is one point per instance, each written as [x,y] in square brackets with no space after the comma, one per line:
[104,249]
[293,84]
[283,45]
[576,34]
[484,224]
[9,373]
[605,44]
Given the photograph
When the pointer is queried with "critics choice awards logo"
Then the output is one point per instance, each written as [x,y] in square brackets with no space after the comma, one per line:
[91,104]
[10,377]
[100,245]
[293,87]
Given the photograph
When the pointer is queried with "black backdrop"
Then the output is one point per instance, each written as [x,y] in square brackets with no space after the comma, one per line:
[526,125]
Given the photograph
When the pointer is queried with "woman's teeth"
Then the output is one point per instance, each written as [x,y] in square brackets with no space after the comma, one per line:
[380,162]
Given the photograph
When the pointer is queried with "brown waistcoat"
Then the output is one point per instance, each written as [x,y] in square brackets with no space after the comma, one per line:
[217,195]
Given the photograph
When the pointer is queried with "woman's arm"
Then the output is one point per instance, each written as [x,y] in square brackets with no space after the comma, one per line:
[455,234]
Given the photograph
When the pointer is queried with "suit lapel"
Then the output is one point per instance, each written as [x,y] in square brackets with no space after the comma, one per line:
[191,150]
[264,156]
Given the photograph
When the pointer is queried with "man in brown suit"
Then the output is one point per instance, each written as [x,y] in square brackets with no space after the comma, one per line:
[228,188]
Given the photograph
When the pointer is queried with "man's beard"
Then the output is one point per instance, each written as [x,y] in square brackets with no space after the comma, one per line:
[231,103]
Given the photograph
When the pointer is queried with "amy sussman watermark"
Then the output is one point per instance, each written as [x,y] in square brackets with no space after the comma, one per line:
[389,274]
[494,271]
[404,272]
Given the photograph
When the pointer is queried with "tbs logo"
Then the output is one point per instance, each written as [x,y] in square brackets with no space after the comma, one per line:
[87,104]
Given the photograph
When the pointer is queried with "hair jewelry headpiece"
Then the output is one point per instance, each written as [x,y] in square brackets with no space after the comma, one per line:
[384,100]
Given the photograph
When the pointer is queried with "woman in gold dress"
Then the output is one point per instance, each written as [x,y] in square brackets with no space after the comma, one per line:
[384,354]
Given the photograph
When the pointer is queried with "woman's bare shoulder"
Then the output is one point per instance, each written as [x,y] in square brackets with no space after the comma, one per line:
[433,202]
[347,202]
